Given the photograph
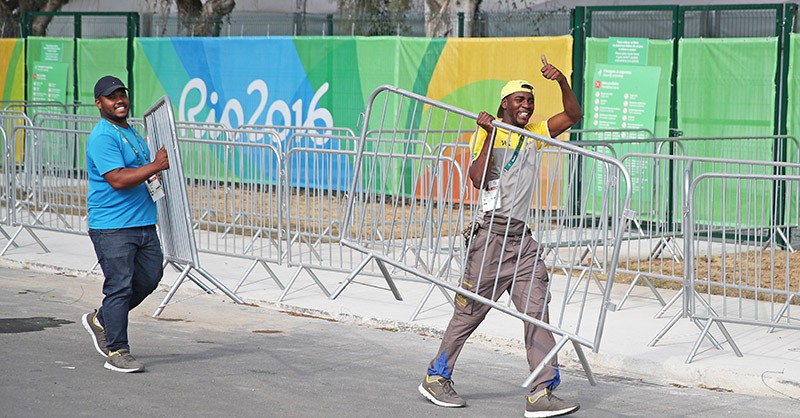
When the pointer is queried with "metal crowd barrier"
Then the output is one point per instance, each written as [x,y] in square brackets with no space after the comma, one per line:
[174,215]
[393,222]
[737,273]
[235,193]
[49,191]
[656,250]
[6,186]
[656,166]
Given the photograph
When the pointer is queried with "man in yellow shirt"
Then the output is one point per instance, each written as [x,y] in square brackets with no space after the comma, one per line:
[503,256]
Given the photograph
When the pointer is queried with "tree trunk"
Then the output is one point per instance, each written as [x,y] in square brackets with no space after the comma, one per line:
[441,16]
[199,19]
[39,24]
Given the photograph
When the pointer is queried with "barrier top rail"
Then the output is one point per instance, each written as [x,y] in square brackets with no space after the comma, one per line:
[452,116]
[474,116]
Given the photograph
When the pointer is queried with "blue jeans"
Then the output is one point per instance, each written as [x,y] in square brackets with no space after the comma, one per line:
[131,260]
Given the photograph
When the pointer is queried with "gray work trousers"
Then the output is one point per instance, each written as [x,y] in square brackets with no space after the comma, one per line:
[501,260]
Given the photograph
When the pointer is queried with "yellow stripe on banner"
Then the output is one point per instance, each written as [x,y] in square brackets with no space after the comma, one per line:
[11,69]
[466,61]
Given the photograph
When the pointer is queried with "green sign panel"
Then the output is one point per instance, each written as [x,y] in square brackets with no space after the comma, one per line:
[628,51]
[623,97]
[49,82]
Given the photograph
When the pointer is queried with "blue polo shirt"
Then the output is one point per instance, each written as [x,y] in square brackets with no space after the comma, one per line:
[110,147]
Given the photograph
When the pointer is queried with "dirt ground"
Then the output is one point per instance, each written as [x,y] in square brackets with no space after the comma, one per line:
[764,274]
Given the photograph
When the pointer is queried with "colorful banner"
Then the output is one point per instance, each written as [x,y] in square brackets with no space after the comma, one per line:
[327,81]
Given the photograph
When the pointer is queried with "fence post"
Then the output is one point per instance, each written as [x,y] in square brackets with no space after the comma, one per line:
[76,21]
[784,21]
[133,32]
[460,24]
[677,34]
[24,25]
[329,25]
[577,20]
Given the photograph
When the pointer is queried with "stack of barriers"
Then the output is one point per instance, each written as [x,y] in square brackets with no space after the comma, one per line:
[718,229]
[407,208]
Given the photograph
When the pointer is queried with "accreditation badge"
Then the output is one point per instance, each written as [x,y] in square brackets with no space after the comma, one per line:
[490,199]
[154,187]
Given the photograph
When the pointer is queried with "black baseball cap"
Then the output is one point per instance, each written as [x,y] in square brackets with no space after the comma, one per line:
[107,85]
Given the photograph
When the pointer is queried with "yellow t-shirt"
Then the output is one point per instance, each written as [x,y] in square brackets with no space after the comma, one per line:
[513,167]
[501,138]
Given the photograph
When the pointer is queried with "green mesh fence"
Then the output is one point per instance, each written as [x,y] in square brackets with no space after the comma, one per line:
[96,58]
[726,88]
[793,111]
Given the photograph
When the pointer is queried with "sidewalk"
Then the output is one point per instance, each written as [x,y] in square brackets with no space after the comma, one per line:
[770,366]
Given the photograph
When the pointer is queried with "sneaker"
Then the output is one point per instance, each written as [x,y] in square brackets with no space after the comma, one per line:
[440,391]
[122,361]
[544,404]
[97,332]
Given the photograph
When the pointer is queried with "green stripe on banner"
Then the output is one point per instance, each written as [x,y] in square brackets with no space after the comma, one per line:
[148,86]
[13,84]
[427,64]
[333,61]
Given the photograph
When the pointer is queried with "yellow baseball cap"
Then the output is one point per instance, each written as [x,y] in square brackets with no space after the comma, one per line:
[514,86]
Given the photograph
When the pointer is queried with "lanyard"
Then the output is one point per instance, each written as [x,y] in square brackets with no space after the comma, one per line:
[138,141]
[516,153]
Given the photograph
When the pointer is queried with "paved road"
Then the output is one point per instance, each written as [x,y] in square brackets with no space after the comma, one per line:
[206,357]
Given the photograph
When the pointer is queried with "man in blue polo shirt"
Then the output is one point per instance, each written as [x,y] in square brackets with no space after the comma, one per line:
[122,221]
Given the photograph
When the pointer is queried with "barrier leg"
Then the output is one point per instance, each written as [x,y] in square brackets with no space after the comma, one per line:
[538,370]
[584,363]
[219,285]
[250,270]
[14,238]
[631,287]
[700,339]
[425,298]
[294,278]
[669,304]
[389,280]
[664,330]
[172,290]
[350,278]
[780,314]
